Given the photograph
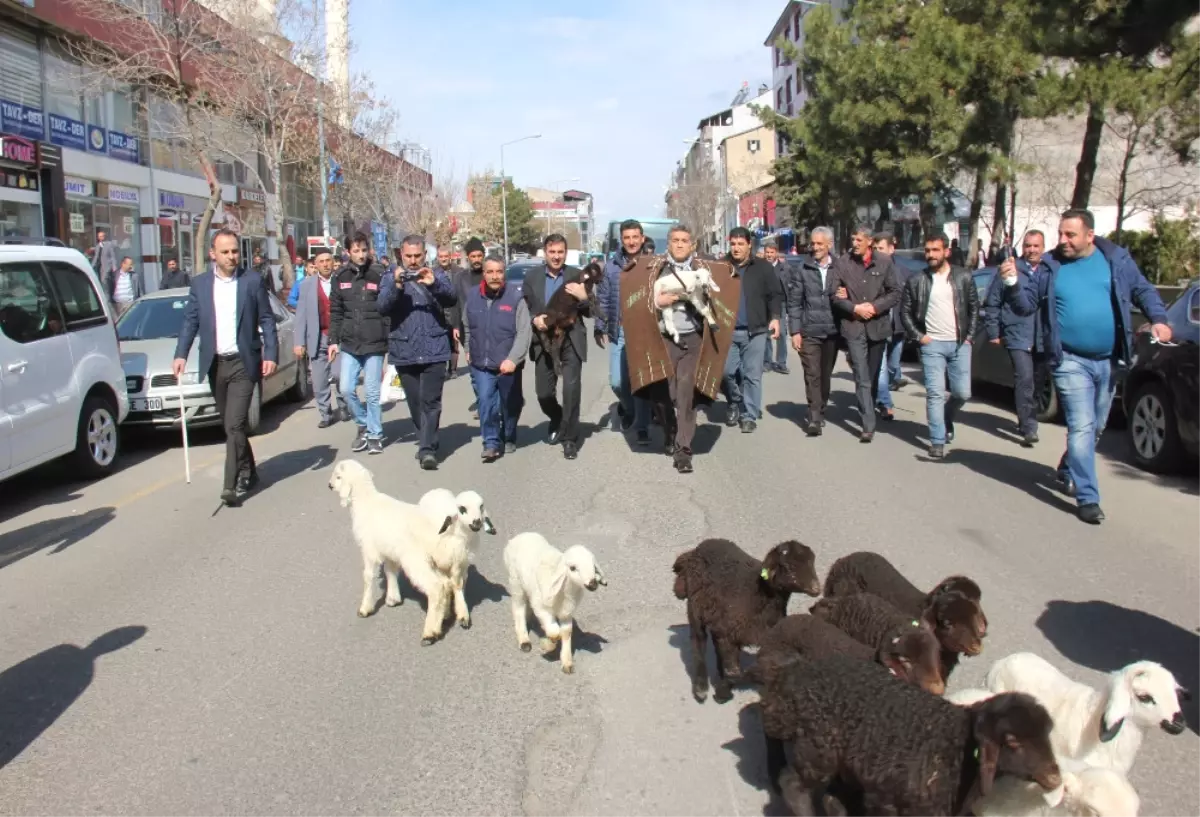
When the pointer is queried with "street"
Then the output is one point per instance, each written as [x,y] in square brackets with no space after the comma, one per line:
[159,659]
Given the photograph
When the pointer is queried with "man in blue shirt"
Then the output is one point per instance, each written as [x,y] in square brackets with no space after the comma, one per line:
[1082,294]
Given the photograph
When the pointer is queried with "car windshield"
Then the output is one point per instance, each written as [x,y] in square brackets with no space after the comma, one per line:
[152,318]
[517,272]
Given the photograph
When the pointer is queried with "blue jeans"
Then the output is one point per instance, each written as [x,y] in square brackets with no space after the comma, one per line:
[369,416]
[890,372]
[781,345]
[742,382]
[939,358]
[1085,388]
[618,379]
[501,399]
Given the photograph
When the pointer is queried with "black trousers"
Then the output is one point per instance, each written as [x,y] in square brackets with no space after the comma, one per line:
[233,389]
[1024,363]
[423,393]
[563,417]
[817,357]
[866,356]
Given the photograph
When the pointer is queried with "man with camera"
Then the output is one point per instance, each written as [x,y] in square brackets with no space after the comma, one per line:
[413,299]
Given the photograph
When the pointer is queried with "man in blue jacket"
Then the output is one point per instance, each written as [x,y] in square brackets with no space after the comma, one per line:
[497,329]
[1082,296]
[1019,335]
[413,299]
[633,411]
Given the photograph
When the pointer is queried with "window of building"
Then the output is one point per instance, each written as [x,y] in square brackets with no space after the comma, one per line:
[788,93]
[20,67]
[79,299]
[64,90]
[796,27]
[778,56]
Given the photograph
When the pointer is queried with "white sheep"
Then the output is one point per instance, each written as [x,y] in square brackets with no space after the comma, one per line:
[692,286]
[451,551]
[394,535]
[1088,792]
[1097,727]
[549,582]
[968,697]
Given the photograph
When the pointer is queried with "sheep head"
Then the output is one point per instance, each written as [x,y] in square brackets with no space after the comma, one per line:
[1012,731]
[473,513]
[1146,692]
[579,566]
[704,280]
[912,653]
[956,584]
[347,477]
[957,621]
[790,567]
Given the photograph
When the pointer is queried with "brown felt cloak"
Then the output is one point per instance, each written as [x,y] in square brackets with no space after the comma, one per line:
[646,346]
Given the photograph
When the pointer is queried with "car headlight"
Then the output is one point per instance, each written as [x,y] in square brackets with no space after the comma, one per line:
[189,379]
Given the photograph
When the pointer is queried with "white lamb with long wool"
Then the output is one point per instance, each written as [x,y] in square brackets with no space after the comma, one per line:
[451,551]
[549,582]
[692,286]
[1097,727]
[396,536]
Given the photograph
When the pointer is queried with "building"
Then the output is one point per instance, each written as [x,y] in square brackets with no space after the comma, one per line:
[569,212]
[75,163]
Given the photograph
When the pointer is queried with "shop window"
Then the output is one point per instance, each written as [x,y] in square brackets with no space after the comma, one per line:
[27,309]
[20,67]
[79,299]
[64,94]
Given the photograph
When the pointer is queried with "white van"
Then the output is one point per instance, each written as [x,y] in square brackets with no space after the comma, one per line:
[62,389]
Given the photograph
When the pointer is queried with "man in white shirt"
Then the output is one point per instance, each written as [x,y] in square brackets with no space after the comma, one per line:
[125,287]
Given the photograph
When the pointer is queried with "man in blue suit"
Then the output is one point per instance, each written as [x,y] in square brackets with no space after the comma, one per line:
[226,308]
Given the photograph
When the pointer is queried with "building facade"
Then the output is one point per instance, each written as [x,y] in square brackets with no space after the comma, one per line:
[569,213]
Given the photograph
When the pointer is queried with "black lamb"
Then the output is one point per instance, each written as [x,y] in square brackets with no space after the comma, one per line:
[893,748]
[562,311]
[909,653]
[952,617]
[868,572]
[738,598]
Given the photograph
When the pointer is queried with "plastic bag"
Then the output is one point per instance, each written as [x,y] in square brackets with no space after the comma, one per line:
[391,391]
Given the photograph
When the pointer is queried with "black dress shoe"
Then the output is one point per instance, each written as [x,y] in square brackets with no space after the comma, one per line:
[683,463]
[1090,513]
[552,436]
[570,450]
[247,484]
[733,416]
[344,414]
[231,499]
[326,422]
[429,463]
[1029,440]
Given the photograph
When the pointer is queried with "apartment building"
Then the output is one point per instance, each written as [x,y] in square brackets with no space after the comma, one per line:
[569,212]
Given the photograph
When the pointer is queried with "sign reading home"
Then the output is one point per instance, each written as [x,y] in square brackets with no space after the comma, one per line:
[18,150]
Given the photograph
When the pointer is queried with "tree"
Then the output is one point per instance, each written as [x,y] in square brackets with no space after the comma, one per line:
[695,196]
[162,48]
[487,222]
[1169,253]
[426,211]
[523,232]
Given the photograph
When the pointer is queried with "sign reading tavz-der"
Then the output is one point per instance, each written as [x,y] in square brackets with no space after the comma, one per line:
[30,122]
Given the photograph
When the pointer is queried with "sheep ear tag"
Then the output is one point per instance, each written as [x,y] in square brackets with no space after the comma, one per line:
[766,574]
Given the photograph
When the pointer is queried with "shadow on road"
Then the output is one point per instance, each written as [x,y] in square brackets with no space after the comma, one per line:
[291,463]
[61,533]
[1106,637]
[477,589]
[750,749]
[34,693]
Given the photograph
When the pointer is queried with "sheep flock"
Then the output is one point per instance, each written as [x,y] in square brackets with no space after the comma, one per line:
[852,699]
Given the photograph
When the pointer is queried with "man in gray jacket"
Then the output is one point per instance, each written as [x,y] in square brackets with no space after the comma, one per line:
[312,337]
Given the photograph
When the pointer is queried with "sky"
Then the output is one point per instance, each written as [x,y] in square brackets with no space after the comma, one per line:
[614,87]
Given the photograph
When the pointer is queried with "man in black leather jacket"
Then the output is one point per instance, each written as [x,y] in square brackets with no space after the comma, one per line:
[940,309]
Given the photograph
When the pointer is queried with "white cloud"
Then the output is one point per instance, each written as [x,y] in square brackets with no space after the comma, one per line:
[614,96]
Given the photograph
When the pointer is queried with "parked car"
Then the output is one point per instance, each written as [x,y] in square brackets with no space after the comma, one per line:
[517,271]
[62,391]
[1161,390]
[149,332]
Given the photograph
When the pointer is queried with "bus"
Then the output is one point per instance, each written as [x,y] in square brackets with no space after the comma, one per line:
[654,228]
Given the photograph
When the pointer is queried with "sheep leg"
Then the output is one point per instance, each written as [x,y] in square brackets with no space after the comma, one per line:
[461,613]
[699,656]
[799,799]
[729,668]
[437,600]
[565,656]
[520,621]
[390,575]
[704,307]
[669,321]
[370,576]
[550,630]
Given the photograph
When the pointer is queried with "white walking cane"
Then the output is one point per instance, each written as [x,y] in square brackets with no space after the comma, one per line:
[187,460]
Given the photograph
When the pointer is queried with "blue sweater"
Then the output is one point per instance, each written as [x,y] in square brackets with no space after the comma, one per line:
[1083,306]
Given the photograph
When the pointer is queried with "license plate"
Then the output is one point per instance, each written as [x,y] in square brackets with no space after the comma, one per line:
[146,404]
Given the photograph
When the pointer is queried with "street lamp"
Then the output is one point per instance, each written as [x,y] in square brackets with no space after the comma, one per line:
[503,193]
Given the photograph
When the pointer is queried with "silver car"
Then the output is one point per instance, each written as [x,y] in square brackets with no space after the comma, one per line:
[149,331]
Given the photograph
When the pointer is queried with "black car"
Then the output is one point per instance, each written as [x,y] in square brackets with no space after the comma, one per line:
[1161,390]
[517,270]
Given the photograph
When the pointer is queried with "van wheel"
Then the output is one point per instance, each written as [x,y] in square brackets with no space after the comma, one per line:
[254,415]
[301,390]
[98,440]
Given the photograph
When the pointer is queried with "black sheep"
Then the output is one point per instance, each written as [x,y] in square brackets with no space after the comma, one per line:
[738,598]
[952,617]
[908,652]
[898,748]
[562,311]
[868,572]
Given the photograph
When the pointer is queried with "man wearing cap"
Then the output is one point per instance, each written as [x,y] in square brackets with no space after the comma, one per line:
[312,335]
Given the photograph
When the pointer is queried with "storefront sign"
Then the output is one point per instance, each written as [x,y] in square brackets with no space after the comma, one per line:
[124,147]
[97,139]
[19,179]
[251,196]
[127,223]
[126,195]
[171,201]
[77,223]
[18,150]
[379,239]
[21,120]
[78,187]
[66,132]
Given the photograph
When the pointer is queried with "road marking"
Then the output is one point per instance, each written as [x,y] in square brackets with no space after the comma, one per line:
[163,483]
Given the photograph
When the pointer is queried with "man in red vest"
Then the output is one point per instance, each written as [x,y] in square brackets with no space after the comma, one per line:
[312,336]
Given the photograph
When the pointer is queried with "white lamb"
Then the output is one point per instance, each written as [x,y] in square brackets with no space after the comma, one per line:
[397,536]
[691,286]
[1097,727]
[1089,792]
[451,551]
[968,697]
[549,582]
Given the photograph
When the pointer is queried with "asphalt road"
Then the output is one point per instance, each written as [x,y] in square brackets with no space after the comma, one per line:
[158,659]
